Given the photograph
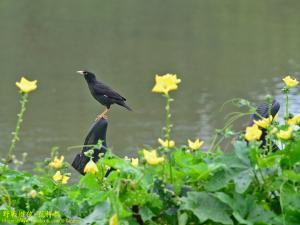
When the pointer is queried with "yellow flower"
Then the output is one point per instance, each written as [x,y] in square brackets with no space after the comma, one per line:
[135,162]
[166,143]
[165,83]
[285,134]
[113,220]
[264,123]
[289,82]
[90,167]
[295,120]
[151,157]
[57,163]
[195,145]
[26,85]
[65,179]
[58,177]
[253,133]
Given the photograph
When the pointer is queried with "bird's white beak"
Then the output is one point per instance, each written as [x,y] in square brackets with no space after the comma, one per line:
[80,72]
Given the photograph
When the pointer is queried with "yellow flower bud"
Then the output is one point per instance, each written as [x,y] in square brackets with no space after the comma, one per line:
[65,179]
[166,143]
[113,220]
[195,145]
[57,163]
[264,123]
[253,133]
[289,82]
[135,162]
[90,167]
[295,120]
[166,83]
[26,86]
[58,177]
[151,157]
[285,135]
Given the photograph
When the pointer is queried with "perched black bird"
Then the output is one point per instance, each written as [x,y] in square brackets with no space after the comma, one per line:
[102,93]
[263,111]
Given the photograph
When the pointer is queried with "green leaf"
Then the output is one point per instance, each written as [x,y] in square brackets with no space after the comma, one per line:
[242,152]
[207,207]
[218,180]
[99,214]
[290,200]
[268,161]
[146,213]
[225,198]
[63,204]
[243,180]
[291,175]
[240,219]
[97,197]
[183,218]
[236,167]
[89,181]
[246,210]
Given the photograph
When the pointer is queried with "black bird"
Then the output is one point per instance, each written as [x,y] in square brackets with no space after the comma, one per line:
[102,93]
[264,110]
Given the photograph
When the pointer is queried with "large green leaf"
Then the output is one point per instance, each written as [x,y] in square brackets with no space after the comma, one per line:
[247,211]
[89,181]
[207,207]
[236,167]
[218,180]
[64,205]
[99,215]
[242,180]
[290,203]
[193,169]
[291,175]
[146,213]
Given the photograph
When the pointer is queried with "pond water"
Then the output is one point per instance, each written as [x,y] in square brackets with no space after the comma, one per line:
[220,49]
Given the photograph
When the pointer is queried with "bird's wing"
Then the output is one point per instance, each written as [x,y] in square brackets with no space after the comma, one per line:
[102,89]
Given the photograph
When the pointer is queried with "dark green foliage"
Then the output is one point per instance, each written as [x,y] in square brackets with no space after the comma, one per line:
[244,186]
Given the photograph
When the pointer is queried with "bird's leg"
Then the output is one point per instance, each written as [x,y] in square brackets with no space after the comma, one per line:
[102,115]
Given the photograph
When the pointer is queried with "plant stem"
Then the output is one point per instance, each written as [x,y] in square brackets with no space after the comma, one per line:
[281,203]
[5,196]
[256,178]
[24,100]
[168,118]
[286,107]
[170,167]
[167,130]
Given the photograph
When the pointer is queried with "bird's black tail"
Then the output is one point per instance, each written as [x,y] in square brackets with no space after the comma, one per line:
[124,105]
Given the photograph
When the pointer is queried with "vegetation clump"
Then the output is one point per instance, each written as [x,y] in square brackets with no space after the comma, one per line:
[169,184]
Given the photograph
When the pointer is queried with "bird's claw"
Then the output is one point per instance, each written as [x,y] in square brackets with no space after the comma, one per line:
[99,117]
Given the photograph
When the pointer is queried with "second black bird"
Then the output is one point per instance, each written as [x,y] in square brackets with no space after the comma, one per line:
[102,93]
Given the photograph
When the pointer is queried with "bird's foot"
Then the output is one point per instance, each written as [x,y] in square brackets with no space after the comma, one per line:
[99,117]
